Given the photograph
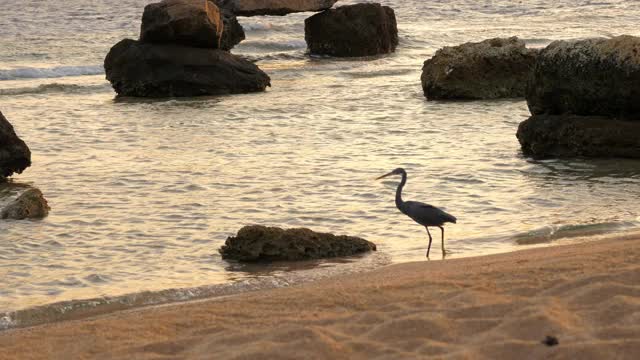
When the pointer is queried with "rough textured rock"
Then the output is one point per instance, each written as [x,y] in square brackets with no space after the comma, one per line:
[20,202]
[150,70]
[233,32]
[544,136]
[260,243]
[196,23]
[276,7]
[491,69]
[14,153]
[354,30]
[588,77]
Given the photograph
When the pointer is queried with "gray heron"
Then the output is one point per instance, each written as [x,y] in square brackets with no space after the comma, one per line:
[424,214]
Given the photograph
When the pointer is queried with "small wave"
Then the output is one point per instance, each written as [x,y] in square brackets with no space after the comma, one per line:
[275,275]
[53,72]
[548,234]
[53,88]
[275,45]
[257,26]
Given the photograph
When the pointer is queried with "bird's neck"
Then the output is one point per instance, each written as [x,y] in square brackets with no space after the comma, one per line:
[399,201]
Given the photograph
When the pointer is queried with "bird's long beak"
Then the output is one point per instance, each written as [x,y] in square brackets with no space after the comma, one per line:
[384,176]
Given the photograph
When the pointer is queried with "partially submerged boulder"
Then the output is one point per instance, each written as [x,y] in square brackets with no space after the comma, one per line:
[196,23]
[233,32]
[260,243]
[585,100]
[20,202]
[587,77]
[353,30]
[490,69]
[543,136]
[276,7]
[15,156]
[150,70]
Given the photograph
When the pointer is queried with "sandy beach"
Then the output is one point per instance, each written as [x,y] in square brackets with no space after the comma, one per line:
[587,296]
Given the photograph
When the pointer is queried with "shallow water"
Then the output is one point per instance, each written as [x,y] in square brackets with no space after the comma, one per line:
[143,192]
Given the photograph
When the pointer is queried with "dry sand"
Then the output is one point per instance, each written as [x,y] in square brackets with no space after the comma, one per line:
[493,307]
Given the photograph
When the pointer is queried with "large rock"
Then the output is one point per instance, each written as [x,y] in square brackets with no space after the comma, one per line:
[543,136]
[275,7]
[491,69]
[14,153]
[20,202]
[195,23]
[260,243]
[587,77]
[150,70]
[233,32]
[354,30]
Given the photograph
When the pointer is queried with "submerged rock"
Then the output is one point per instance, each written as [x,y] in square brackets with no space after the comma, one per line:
[490,69]
[587,77]
[260,243]
[196,23]
[354,30]
[20,202]
[150,70]
[543,136]
[15,155]
[276,7]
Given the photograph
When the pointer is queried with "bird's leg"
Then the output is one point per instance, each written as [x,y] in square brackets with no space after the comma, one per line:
[429,248]
[443,251]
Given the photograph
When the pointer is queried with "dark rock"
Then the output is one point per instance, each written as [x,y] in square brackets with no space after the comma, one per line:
[275,7]
[150,70]
[260,243]
[587,77]
[544,136]
[354,30]
[233,32]
[196,23]
[14,153]
[550,341]
[20,202]
[491,69]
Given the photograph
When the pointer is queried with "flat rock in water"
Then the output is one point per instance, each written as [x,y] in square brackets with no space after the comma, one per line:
[490,69]
[15,156]
[587,77]
[353,30]
[196,23]
[150,70]
[543,136]
[275,7]
[20,202]
[261,243]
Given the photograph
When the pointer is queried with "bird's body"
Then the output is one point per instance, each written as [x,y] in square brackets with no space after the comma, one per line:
[424,214]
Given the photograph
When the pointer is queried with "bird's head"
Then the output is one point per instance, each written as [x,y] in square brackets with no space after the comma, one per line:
[398,171]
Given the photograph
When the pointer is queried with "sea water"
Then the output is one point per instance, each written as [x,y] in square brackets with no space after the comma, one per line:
[143,192]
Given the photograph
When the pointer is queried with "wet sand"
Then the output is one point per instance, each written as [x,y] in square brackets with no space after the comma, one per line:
[587,296]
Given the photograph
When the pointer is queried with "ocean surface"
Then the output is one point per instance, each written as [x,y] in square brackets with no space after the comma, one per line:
[144,192]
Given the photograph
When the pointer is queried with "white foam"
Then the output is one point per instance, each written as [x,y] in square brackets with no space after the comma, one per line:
[52,72]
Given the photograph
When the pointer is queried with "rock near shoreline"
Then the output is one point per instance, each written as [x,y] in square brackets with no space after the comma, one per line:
[275,7]
[15,155]
[352,31]
[490,69]
[585,100]
[150,70]
[261,243]
[18,202]
[196,23]
[587,77]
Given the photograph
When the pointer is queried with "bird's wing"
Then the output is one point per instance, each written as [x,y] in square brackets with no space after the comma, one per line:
[426,214]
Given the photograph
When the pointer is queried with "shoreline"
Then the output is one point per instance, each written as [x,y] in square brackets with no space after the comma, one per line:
[587,295]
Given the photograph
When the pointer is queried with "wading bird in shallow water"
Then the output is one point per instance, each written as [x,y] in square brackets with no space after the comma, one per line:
[424,214]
